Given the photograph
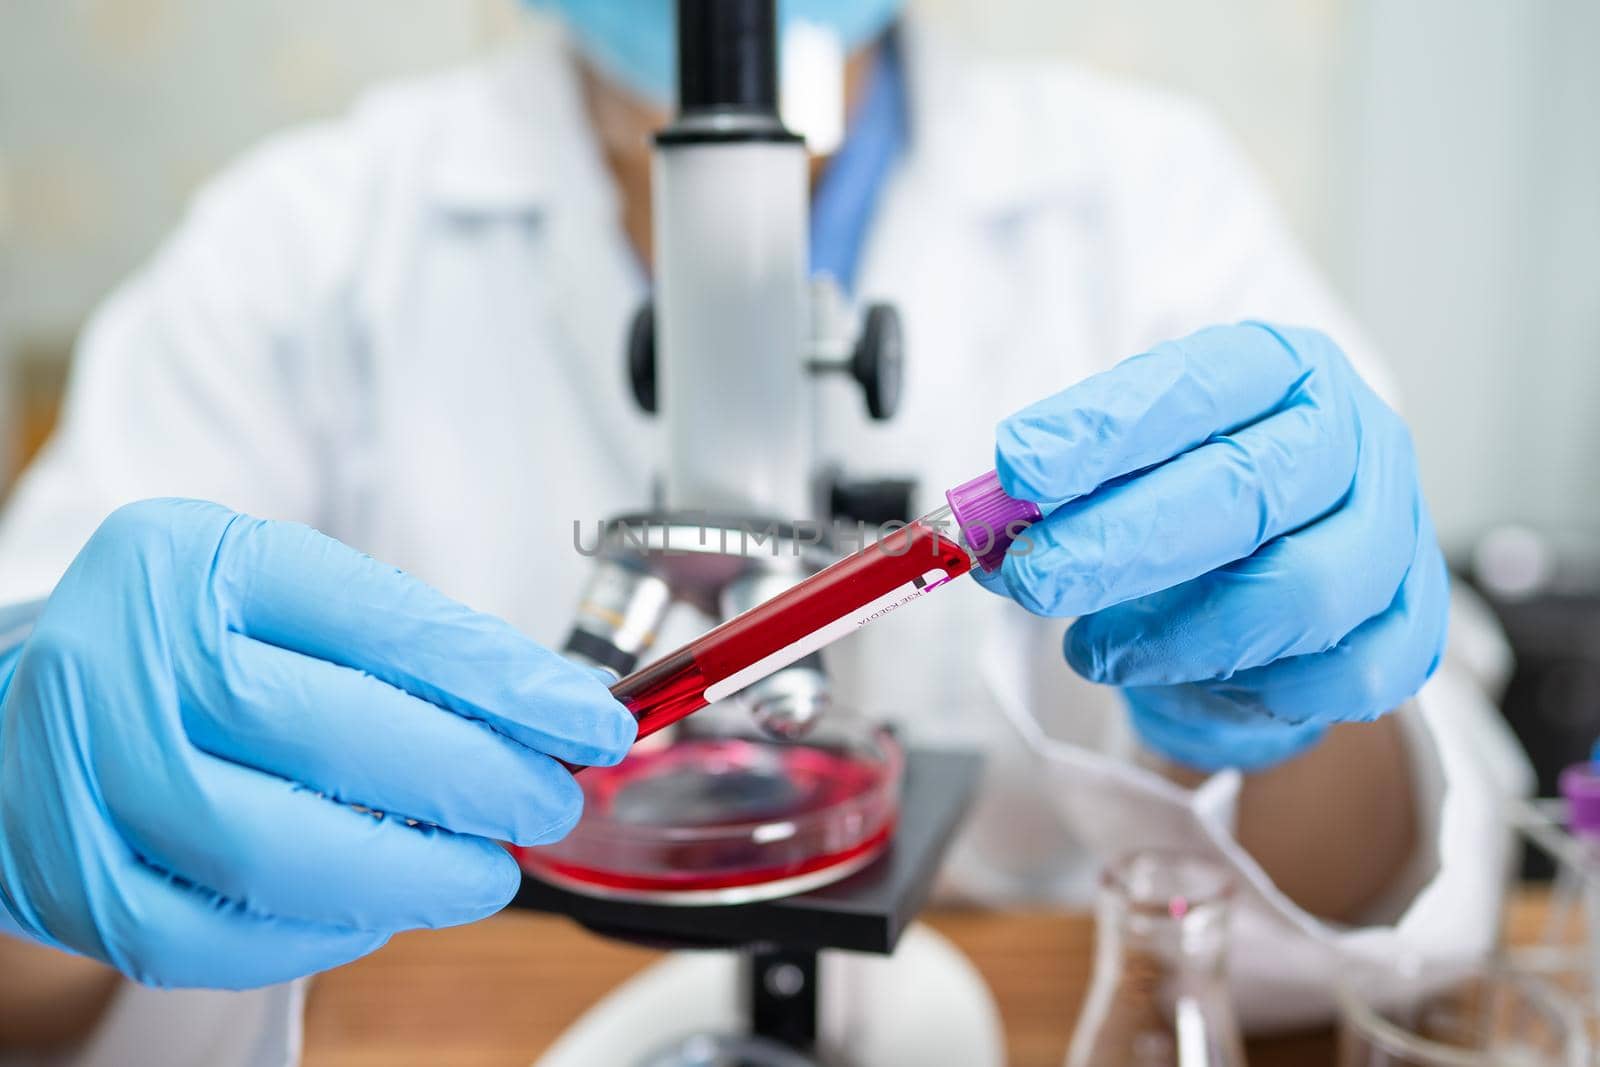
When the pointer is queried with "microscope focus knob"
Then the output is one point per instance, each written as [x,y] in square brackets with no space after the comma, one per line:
[642,357]
[879,360]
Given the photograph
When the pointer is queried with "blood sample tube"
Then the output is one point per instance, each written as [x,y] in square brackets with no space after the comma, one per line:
[886,575]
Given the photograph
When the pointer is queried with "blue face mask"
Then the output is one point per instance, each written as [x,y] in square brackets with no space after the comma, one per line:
[633,40]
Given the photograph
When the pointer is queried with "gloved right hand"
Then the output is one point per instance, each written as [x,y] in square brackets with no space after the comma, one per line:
[202,701]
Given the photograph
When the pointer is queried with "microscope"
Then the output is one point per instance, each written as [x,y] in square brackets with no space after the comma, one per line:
[726,354]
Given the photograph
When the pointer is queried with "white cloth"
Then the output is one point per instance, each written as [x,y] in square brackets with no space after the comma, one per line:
[406,328]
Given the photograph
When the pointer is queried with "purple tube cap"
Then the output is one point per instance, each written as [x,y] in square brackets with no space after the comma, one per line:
[989,519]
[1580,786]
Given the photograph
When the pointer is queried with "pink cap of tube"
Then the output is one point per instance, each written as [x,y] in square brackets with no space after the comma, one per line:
[1580,785]
[989,519]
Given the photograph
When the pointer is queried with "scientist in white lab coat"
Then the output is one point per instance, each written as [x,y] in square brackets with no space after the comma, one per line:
[403,328]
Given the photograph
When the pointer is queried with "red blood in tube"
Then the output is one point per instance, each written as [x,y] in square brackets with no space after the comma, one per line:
[673,687]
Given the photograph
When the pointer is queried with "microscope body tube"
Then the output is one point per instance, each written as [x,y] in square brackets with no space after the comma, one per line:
[731,258]
[731,218]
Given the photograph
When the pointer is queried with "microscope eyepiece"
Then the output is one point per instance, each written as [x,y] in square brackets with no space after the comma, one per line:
[728,56]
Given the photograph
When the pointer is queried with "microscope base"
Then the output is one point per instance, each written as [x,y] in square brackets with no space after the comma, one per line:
[924,1004]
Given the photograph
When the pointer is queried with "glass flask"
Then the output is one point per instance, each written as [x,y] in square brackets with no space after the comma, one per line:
[1492,1017]
[1159,995]
[1566,958]
[1573,917]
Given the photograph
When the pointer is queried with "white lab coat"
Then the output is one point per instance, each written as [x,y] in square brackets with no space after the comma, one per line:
[405,327]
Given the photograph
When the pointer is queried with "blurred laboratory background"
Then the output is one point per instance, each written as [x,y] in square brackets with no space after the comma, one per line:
[1440,158]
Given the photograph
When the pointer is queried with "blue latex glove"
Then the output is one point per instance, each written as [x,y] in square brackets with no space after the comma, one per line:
[201,701]
[1237,521]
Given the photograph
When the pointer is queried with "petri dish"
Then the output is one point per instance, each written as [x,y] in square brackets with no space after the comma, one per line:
[724,819]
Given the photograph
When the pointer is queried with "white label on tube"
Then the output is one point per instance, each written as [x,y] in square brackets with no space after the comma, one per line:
[825,635]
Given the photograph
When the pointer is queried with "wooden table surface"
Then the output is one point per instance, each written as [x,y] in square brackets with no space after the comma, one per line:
[496,994]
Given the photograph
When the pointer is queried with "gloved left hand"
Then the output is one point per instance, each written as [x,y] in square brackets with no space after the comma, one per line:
[234,752]
[1238,523]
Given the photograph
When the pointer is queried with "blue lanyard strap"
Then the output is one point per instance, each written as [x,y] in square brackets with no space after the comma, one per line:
[847,196]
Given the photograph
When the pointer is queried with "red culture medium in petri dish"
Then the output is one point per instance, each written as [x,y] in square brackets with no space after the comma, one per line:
[728,820]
